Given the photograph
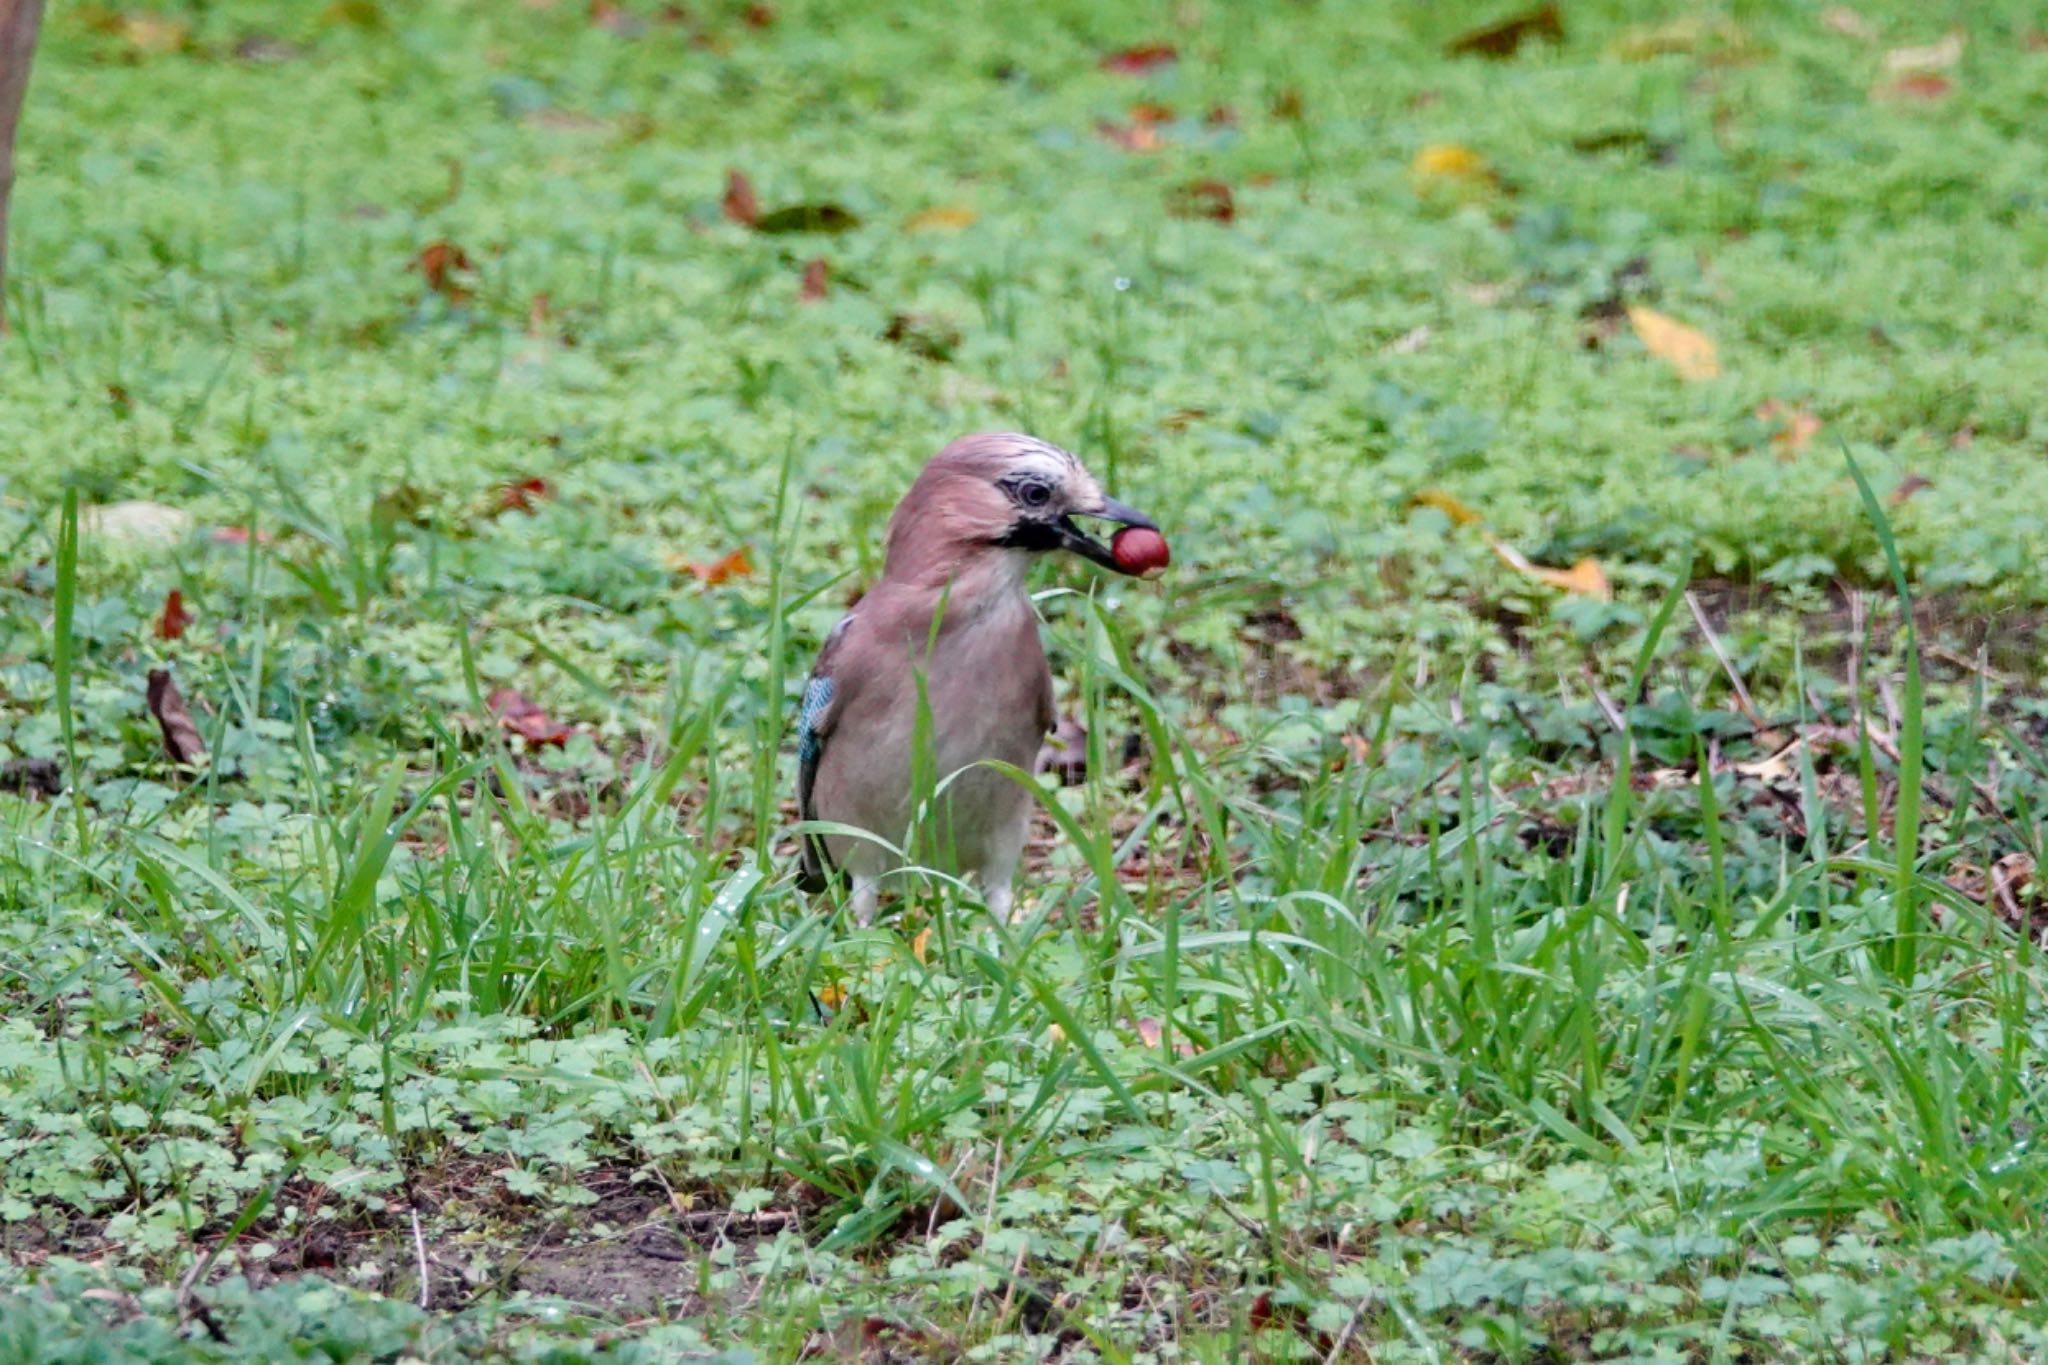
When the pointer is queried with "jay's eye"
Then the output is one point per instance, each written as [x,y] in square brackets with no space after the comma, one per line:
[1034,494]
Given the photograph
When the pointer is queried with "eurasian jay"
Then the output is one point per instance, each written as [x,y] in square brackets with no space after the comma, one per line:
[960,543]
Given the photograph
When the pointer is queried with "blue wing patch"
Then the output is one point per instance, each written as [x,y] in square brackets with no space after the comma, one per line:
[817,696]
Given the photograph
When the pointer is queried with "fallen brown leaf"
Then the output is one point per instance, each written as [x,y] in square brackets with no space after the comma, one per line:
[1504,39]
[1921,85]
[1209,199]
[1136,61]
[1908,486]
[1685,349]
[172,620]
[759,16]
[733,564]
[740,205]
[1132,137]
[1792,428]
[817,280]
[522,716]
[182,744]
[521,495]
[1287,105]
[441,264]
[922,944]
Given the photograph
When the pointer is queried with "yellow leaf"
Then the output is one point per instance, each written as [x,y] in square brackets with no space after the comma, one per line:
[1448,505]
[153,33]
[1450,162]
[1685,349]
[920,945]
[831,997]
[1055,1034]
[1680,36]
[1586,578]
[945,218]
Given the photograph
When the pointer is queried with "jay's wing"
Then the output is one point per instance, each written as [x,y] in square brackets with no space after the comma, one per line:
[814,726]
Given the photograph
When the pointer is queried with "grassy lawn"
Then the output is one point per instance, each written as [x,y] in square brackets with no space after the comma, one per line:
[1529,898]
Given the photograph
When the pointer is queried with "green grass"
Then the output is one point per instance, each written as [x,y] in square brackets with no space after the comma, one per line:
[1434,967]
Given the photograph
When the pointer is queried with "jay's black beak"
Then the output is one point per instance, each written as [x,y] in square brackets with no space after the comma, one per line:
[1072,537]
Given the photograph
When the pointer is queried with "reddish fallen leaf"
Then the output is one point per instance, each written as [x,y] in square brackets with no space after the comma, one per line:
[1502,40]
[617,18]
[1210,199]
[521,496]
[817,281]
[1132,137]
[1923,85]
[440,264]
[1136,61]
[726,567]
[1261,1313]
[1220,116]
[1908,486]
[239,535]
[759,16]
[1144,111]
[182,743]
[1149,1030]
[537,314]
[741,206]
[1792,428]
[172,620]
[524,717]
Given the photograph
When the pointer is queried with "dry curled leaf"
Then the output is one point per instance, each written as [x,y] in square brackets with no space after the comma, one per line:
[520,496]
[445,266]
[1792,428]
[1917,85]
[920,947]
[1133,136]
[182,744]
[1585,578]
[520,715]
[728,566]
[172,620]
[740,204]
[1504,39]
[1908,486]
[817,280]
[1209,199]
[1136,61]
[1685,349]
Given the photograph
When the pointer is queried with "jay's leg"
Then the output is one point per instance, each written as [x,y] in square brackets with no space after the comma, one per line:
[864,898]
[998,871]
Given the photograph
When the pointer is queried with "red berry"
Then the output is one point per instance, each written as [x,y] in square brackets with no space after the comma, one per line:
[1138,550]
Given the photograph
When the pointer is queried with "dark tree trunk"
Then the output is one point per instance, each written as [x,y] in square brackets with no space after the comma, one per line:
[19,20]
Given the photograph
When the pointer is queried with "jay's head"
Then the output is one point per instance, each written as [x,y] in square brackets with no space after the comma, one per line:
[1001,491]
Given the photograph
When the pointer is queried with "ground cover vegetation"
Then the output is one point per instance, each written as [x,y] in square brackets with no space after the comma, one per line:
[1548,875]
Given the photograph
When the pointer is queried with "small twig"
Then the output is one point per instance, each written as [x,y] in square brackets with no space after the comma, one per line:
[1344,1338]
[1606,705]
[419,1251]
[1742,700]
